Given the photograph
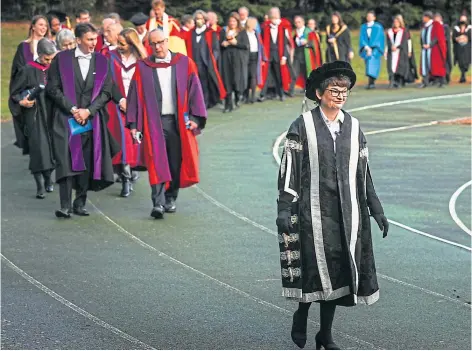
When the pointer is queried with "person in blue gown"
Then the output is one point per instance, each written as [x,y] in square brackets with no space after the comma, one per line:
[371,47]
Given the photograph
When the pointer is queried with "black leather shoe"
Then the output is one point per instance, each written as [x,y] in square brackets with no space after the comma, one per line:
[327,344]
[134,176]
[298,333]
[125,188]
[170,207]
[80,211]
[158,212]
[40,194]
[63,213]
[282,98]
[261,99]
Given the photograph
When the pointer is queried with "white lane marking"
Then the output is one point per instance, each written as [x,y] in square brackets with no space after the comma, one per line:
[219,282]
[267,230]
[74,307]
[452,208]
[278,141]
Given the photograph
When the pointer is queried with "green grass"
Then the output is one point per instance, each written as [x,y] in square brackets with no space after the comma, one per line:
[14,33]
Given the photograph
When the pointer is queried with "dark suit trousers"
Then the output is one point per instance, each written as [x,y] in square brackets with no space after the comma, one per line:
[174,156]
[299,66]
[252,75]
[274,71]
[81,181]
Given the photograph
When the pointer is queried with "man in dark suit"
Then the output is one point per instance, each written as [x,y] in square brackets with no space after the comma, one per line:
[80,85]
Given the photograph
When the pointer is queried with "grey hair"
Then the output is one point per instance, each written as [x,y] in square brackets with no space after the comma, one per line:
[200,12]
[339,81]
[114,16]
[276,9]
[244,8]
[46,47]
[64,34]
[156,30]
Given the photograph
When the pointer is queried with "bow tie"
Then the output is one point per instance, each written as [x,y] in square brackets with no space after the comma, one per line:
[87,57]
[163,60]
[273,25]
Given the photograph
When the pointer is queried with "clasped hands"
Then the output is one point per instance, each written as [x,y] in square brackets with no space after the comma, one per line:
[81,115]
[284,223]
[26,103]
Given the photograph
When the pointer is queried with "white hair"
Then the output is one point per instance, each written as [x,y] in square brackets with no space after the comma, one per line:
[157,30]
[64,34]
[46,47]
[200,12]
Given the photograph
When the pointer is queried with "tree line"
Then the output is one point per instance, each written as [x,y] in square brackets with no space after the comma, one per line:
[353,11]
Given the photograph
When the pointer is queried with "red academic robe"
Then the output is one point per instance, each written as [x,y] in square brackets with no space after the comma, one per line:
[100,43]
[187,36]
[216,28]
[143,113]
[117,120]
[438,51]
[176,43]
[284,69]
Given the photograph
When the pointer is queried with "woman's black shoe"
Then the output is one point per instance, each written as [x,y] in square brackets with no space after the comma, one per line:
[327,344]
[299,329]
[40,195]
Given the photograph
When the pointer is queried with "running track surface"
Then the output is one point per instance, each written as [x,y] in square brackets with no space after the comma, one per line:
[207,277]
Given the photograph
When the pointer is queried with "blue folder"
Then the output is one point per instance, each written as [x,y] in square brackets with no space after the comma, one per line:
[76,128]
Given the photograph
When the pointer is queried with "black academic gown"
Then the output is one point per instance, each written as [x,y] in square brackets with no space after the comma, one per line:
[328,254]
[447,33]
[36,131]
[403,68]
[462,53]
[61,113]
[235,63]
[22,56]
[342,47]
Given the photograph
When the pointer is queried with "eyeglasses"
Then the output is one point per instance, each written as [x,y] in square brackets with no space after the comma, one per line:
[159,43]
[337,93]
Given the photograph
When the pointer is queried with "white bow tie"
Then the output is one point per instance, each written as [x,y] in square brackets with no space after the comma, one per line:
[87,57]
[163,60]
[273,25]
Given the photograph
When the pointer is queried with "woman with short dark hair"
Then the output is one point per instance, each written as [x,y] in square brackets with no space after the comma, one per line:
[326,196]
[35,113]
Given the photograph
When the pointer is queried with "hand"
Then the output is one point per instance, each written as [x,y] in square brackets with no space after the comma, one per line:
[122,105]
[26,103]
[369,52]
[331,40]
[233,41]
[225,43]
[152,13]
[351,55]
[133,133]
[303,41]
[426,46]
[394,48]
[382,222]
[192,125]
[284,223]
[410,54]
[283,61]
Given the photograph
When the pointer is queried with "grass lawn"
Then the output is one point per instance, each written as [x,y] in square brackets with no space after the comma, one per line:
[14,33]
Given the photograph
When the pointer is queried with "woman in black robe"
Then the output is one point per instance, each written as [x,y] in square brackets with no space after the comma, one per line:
[234,60]
[461,38]
[326,198]
[35,115]
[399,54]
[25,52]
[338,39]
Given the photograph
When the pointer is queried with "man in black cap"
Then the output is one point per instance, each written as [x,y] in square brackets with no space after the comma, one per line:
[326,196]
[139,21]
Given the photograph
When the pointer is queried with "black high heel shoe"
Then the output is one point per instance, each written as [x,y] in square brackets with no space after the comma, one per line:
[327,344]
[298,333]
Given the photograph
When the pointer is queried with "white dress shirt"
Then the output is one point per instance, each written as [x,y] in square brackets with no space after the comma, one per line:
[333,126]
[165,80]
[127,75]
[274,31]
[253,44]
[199,32]
[369,28]
[141,36]
[84,62]
[298,39]
[35,50]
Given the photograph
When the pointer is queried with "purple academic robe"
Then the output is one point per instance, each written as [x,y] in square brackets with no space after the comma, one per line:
[61,89]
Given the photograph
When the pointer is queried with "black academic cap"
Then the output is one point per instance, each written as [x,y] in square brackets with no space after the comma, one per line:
[328,70]
[59,14]
[138,19]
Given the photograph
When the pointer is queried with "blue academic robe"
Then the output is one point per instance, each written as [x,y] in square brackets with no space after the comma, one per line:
[376,41]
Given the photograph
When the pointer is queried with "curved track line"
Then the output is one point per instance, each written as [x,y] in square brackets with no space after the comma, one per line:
[73,307]
[278,141]
[273,232]
[219,282]
[452,208]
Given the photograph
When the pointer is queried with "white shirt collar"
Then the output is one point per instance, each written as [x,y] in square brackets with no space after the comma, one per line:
[430,22]
[79,53]
[128,60]
[370,24]
[301,30]
[339,117]
[201,29]
[166,59]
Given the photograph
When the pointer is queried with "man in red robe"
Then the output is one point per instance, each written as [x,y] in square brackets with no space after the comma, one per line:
[203,48]
[159,19]
[212,23]
[165,112]
[433,53]
[277,44]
